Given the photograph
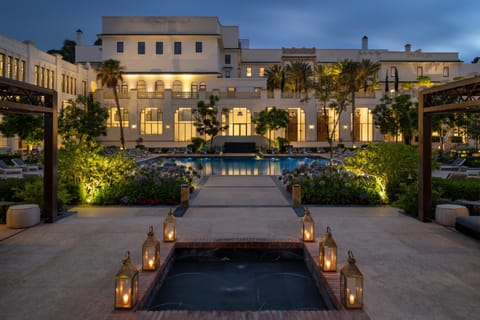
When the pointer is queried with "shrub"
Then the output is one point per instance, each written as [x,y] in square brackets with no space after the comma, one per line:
[31,191]
[331,185]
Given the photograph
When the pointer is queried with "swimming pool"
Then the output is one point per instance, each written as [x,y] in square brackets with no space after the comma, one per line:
[245,166]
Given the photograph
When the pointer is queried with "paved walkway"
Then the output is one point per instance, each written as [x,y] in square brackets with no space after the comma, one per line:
[65,270]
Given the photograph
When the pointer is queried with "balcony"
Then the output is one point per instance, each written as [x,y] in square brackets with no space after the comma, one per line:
[121,95]
[151,95]
[185,95]
[235,95]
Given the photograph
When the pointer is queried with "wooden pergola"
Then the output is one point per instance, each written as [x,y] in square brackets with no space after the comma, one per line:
[11,92]
[465,97]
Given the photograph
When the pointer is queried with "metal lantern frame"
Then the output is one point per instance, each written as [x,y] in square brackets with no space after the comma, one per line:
[150,252]
[351,284]
[126,285]
[328,253]
[169,228]
[308,227]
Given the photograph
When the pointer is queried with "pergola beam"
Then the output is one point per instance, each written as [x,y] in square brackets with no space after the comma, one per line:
[467,94]
[10,93]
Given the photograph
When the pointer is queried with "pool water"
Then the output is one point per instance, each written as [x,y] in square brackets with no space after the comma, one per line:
[245,166]
[236,279]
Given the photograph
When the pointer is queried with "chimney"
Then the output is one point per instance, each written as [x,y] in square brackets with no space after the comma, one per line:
[79,37]
[365,43]
[408,47]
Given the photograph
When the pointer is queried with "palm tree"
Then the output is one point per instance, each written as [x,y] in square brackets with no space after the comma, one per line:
[110,74]
[275,77]
[349,76]
[299,75]
[368,71]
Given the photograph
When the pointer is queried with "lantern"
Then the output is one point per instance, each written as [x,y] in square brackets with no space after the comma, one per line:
[126,285]
[308,227]
[150,252]
[328,253]
[351,284]
[169,226]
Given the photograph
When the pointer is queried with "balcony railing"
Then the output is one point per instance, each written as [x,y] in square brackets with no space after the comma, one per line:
[121,95]
[150,95]
[235,95]
[185,95]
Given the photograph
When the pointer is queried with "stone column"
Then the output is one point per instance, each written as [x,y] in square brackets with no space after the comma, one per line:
[296,196]
[184,195]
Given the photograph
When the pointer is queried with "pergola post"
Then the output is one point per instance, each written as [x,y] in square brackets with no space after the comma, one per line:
[425,162]
[50,167]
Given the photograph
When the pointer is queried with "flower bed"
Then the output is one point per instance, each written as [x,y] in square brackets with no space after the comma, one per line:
[333,185]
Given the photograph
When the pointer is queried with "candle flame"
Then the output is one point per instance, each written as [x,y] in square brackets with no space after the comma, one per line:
[125,298]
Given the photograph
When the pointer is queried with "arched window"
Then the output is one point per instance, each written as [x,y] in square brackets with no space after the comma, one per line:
[203,86]
[194,90]
[141,89]
[177,89]
[159,89]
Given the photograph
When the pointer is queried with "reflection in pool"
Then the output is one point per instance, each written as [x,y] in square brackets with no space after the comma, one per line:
[244,166]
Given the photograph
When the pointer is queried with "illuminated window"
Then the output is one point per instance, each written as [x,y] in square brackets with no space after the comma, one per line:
[446,72]
[141,86]
[261,72]
[392,71]
[9,67]
[184,125]
[203,86]
[419,71]
[36,71]
[198,46]
[114,119]
[42,77]
[141,47]
[322,122]
[177,47]
[151,121]
[296,125]
[249,72]
[177,89]
[52,78]
[240,122]
[363,125]
[15,69]
[22,71]
[159,89]
[119,46]
[47,80]
[84,88]
[2,64]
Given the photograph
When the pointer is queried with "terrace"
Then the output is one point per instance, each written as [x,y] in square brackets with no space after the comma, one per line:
[65,270]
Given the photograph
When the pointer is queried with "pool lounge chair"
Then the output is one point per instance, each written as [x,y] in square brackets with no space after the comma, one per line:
[9,172]
[455,165]
[19,163]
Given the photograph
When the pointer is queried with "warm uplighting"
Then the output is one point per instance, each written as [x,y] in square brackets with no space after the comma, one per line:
[150,252]
[351,284]
[126,285]
[328,253]
[308,227]
[169,227]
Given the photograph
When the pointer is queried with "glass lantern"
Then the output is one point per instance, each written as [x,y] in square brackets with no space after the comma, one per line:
[126,285]
[351,284]
[308,227]
[169,227]
[150,252]
[328,253]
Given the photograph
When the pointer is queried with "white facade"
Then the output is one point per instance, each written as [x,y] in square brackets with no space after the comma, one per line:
[171,63]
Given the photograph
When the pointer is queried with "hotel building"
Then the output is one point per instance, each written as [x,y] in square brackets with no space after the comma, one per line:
[171,63]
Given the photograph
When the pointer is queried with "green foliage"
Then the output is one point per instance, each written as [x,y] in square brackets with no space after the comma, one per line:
[84,166]
[197,144]
[206,120]
[8,187]
[397,116]
[407,197]
[82,120]
[329,185]
[391,162]
[28,127]
[453,189]
[67,51]
[270,120]
[31,191]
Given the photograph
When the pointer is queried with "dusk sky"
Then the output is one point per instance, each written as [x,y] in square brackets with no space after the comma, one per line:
[429,25]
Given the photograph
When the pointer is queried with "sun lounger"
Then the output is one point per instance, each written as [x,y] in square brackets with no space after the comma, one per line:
[19,163]
[455,165]
[9,172]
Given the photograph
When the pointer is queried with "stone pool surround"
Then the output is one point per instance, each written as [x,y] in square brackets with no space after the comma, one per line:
[329,284]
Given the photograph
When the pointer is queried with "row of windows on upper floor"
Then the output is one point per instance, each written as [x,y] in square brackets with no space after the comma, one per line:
[13,68]
[261,72]
[177,48]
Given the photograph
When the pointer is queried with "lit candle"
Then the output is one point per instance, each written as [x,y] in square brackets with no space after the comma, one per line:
[351,298]
[327,264]
[170,235]
[125,298]
[307,235]
[150,263]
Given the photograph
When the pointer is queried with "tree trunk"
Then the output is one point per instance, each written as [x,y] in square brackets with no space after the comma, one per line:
[353,118]
[122,138]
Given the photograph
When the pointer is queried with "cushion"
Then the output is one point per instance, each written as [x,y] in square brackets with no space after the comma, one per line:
[469,225]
